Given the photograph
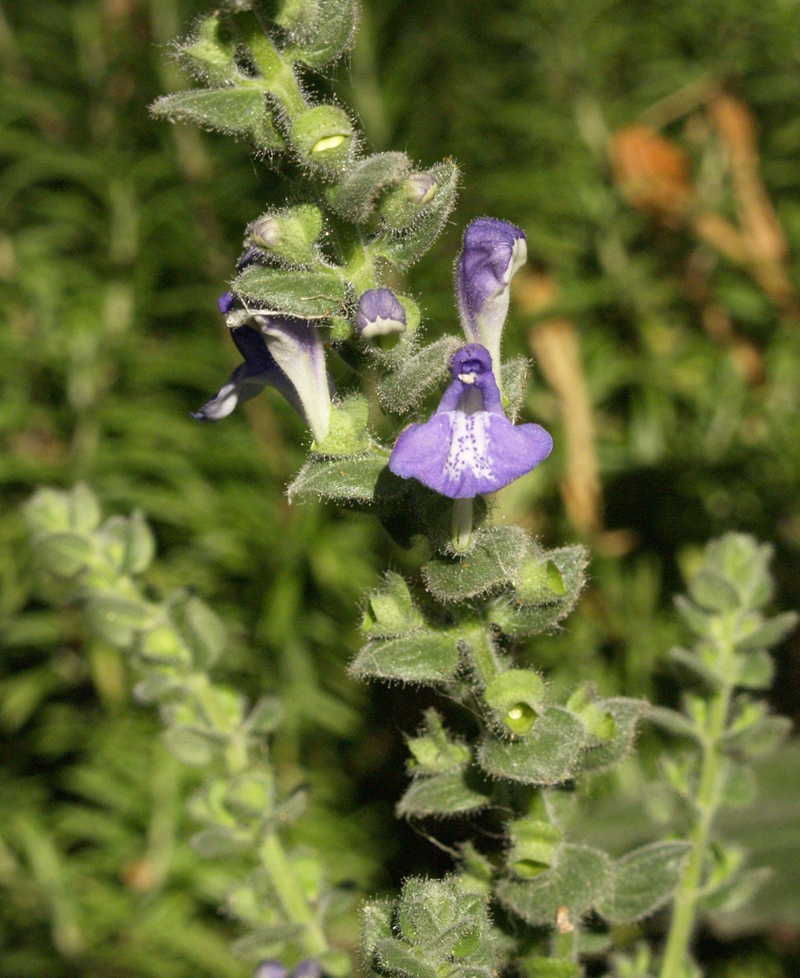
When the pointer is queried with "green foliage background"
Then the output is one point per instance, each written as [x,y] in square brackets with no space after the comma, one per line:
[119,232]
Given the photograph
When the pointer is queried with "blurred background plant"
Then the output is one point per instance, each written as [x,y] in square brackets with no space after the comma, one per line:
[650,158]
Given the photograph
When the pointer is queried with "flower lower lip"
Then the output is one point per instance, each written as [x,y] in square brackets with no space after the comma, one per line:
[467,378]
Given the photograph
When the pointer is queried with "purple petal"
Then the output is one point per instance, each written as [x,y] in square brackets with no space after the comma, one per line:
[469,447]
[225,302]
[249,378]
[308,968]
[271,969]
[493,251]
[297,347]
[380,313]
[461,455]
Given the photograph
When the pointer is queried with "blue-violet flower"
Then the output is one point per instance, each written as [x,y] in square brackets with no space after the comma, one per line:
[493,251]
[284,353]
[379,314]
[469,447]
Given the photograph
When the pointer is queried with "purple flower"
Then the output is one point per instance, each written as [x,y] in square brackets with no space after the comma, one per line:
[284,353]
[225,302]
[469,447]
[380,313]
[493,251]
[307,968]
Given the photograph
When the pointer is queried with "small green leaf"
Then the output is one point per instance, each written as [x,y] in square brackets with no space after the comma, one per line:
[84,509]
[190,747]
[444,794]
[308,295]
[547,755]
[642,881]
[769,633]
[700,622]
[599,755]
[64,553]
[397,958]
[759,739]
[672,721]
[407,247]
[390,611]
[360,478]
[141,545]
[495,559]
[577,881]
[376,923]
[356,195]
[712,592]
[237,111]
[401,390]
[320,32]
[265,716]
[422,656]
[205,632]
[117,619]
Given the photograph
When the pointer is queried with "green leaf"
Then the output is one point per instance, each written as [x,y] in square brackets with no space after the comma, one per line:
[712,592]
[495,559]
[444,794]
[141,545]
[546,755]
[401,390]
[355,196]
[577,881]
[205,632]
[320,32]
[405,248]
[759,739]
[117,619]
[599,755]
[770,632]
[360,478]
[756,670]
[188,746]
[234,110]
[376,923]
[265,716]
[397,958]
[543,597]
[308,295]
[642,881]
[64,553]
[390,610]
[672,721]
[700,622]
[422,656]
[84,509]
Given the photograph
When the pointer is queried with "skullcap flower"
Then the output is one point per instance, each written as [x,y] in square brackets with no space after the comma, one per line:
[469,447]
[380,313]
[493,252]
[280,352]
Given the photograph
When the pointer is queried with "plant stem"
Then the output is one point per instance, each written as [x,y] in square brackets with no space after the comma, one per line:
[706,802]
[290,895]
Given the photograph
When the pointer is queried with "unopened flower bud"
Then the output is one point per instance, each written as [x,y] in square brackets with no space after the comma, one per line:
[266,232]
[420,188]
[379,314]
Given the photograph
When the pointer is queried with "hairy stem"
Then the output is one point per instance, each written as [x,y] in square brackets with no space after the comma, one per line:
[706,803]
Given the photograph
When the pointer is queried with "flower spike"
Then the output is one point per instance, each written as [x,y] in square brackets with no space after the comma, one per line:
[493,252]
[469,447]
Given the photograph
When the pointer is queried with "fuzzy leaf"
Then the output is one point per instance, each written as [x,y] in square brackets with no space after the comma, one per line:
[423,656]
[141,544]
[494,560]
[405,248]
[759,739]
[443,794]
[307,295]
[577,881]
[117,619]
[360,478]
[770,633]
[401,390]
[355,196]
[238,111]
[756,670]
[598,755]
[642,881]
[397,958]
[64,553]
[712,592]
[547,755]
[319,33]
[204,630]
[542,608]
[672,721]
